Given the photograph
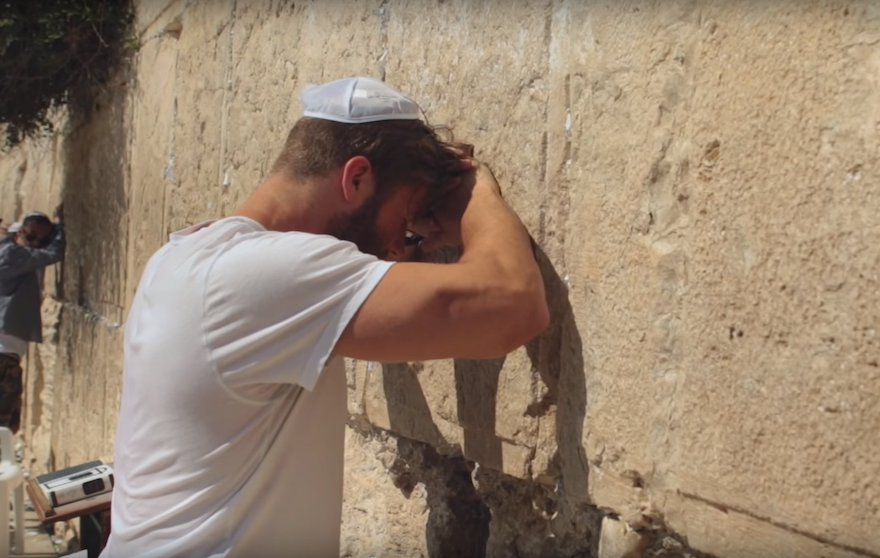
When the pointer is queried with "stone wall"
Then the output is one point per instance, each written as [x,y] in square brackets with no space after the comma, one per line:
[701,179]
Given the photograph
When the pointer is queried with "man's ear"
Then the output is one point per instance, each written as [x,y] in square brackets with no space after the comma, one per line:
[357,179]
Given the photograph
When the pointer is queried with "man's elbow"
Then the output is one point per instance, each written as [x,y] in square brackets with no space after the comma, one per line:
[517,315]
[530,321]
[528,318]
[541,319]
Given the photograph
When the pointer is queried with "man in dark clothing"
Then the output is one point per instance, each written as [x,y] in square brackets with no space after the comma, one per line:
[38,244]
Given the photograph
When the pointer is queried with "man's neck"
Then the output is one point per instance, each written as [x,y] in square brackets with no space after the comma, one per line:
[280,204]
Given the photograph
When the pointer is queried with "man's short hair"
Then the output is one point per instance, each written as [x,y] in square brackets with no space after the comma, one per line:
[401,152]
[36,218]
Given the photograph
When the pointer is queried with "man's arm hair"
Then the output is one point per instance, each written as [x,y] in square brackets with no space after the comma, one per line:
[484,306]
[17,260]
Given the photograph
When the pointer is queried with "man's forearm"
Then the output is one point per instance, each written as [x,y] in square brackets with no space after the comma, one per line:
[16,260]
[55,250]
[499,258]
[493,235]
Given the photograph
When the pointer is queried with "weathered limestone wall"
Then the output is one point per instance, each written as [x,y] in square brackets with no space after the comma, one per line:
[701,178]
[31,179]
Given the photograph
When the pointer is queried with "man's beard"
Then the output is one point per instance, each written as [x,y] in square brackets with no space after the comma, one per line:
[361,227]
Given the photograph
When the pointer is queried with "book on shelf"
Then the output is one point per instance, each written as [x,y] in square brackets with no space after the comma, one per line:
[88,483]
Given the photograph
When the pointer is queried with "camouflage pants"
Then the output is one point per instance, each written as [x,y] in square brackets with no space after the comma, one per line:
[10,392]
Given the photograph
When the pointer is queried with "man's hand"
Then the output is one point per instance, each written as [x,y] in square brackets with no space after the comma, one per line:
[59,213]
[448,211]
[488,302]
[485,181]
[429,224]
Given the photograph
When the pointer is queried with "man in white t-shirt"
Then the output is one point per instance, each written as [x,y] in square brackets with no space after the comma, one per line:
[230,435]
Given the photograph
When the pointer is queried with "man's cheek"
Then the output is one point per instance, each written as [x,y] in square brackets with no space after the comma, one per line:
[414,253]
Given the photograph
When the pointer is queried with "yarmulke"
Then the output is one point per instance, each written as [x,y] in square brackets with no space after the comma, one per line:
[357,100]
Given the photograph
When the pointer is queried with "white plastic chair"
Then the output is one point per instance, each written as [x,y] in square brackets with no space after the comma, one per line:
[11,484]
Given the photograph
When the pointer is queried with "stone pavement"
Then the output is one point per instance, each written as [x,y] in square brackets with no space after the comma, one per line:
[38,542]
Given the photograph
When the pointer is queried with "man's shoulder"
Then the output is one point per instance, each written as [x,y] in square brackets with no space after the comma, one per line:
[245,240]
[243,229]
[8,245]
[270,256]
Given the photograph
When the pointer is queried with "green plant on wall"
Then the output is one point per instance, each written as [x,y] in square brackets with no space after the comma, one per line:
[50,47]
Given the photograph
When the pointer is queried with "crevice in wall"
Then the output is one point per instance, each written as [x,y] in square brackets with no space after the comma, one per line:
[224,178]
[458,521]
[168,173]
[382,12]
[477,511]
[668,545]
[19,197]
[818,538]
[96,206]
[529,519]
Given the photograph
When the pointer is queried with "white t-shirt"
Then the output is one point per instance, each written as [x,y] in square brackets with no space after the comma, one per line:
[219,452]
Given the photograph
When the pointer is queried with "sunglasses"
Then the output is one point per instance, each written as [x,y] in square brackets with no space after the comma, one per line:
[31,237]
[411,238]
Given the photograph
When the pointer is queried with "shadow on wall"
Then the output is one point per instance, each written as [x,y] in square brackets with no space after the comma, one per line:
[558,357]
[458,520]
[408,411]
[459,516]
[95,205]
[95,199]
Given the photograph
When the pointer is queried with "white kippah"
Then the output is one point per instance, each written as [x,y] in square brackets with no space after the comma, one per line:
[357,100]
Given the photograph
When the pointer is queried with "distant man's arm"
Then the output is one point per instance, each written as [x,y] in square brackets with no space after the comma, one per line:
[18,260]
[484,306]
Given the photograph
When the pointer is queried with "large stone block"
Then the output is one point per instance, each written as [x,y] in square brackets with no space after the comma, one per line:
[726,259]
[200,91]
[481,68]
[696,190]
[779,354]
[276,49]
[386,510]
[153,150]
